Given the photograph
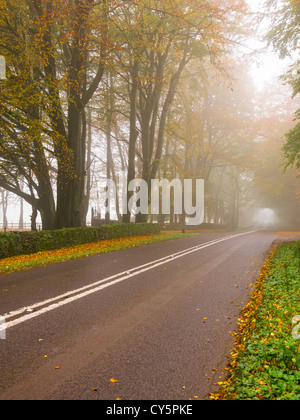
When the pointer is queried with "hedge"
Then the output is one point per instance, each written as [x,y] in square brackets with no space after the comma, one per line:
[25,243]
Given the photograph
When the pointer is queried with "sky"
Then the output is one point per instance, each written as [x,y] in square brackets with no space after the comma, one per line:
[268,69]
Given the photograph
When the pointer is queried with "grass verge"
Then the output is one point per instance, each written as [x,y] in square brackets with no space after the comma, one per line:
[265,364]
[25,262]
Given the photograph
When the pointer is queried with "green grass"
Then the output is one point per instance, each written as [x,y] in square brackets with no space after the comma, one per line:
[266,361]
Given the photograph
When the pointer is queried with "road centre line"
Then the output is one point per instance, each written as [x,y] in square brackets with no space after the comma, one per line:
[71,296]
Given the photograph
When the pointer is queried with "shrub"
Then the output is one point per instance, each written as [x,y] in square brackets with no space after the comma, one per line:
[19,243]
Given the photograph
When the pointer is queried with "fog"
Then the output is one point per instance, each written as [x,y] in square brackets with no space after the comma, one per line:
[156,98]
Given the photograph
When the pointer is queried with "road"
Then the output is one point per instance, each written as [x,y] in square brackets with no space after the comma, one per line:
[157,319]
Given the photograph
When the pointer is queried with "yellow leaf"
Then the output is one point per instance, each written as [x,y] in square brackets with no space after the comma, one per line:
[113,380]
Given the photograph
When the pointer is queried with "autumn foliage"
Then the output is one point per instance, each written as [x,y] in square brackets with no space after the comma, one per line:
[57,53]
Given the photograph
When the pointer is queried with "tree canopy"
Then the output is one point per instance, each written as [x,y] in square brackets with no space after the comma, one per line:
[284,37]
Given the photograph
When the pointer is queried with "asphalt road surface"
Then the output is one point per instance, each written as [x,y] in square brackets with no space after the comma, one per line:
[157,320]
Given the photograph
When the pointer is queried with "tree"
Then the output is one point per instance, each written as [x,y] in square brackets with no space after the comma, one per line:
[159,40]
[292,147]
[284,37]
[4,204]
[275,189]
[213,128]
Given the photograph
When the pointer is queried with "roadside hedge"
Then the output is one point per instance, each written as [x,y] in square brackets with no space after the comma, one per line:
[24,243]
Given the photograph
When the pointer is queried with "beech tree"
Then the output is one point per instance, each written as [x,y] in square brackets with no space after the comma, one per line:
[213,125]
[159,40]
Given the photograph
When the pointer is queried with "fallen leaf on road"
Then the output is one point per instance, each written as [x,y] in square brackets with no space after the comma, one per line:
[113,380]
[57,367]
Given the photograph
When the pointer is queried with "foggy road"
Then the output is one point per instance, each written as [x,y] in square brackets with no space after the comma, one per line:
[153,322]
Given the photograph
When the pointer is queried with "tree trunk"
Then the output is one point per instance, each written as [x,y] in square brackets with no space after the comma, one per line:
[33,218]
[150,166]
